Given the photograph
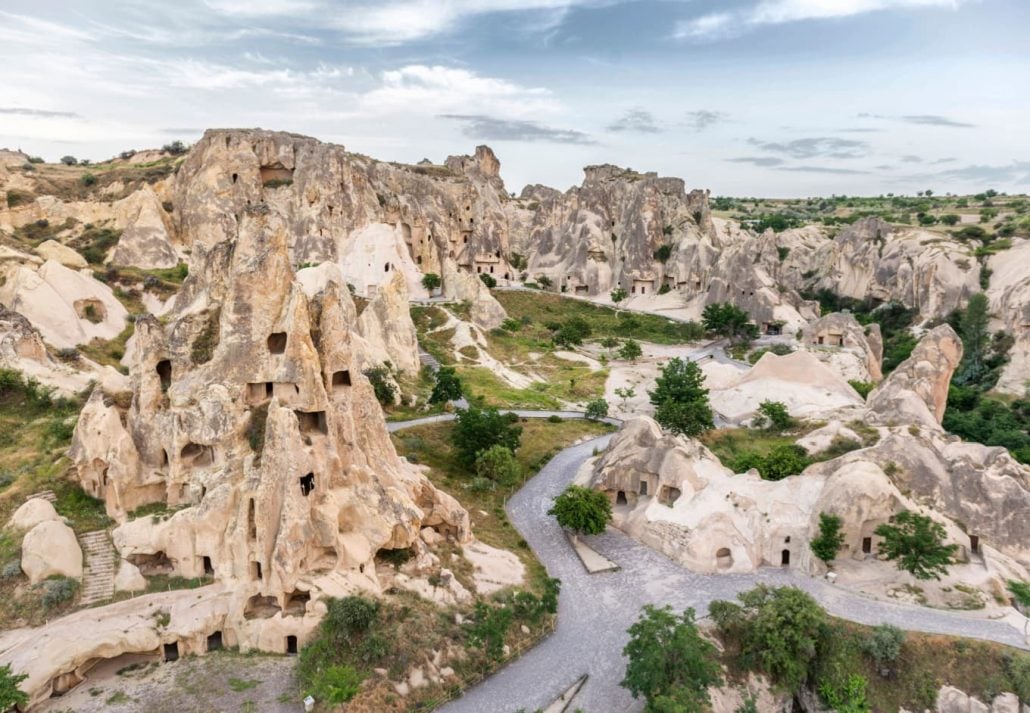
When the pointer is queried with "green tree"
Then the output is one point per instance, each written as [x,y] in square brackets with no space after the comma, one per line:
[916,544]
[382,384]
[830,539]
[663,253]
[498,464]
[87,179]
[10,694]
[544,281]
[681,400]
[670,664]
[950,219]
[630,350]
[597,409]
[583,510]
[784,460]
[447,387]
[625,394]
[69,160]
[431,281]
[777,628]
[884,644]
[618,295]
[773,415]
[973,328]
[572,332]
[727,320]
[476,429]
[488,280]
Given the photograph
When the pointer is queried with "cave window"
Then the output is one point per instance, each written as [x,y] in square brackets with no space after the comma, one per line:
[235,177]
[164,373]
[209,569]
[261,607]
[259,392]
[291,645]
[620,498]
[643,487]
[785,558]
[171,651]
[277,343]
[164,457]
[786,540]
[507,276]
[214,641]
[491,269]
[464,240]
[255,571]
[296,602]
[974,543]
[340,380]
[252,521]
[386,267]
[197,455]
[312,422]
[867,545]
[723,558]
[307,484]
[419,259]
[479,268]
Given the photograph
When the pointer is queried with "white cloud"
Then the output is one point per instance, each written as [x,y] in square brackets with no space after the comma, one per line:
[777,12]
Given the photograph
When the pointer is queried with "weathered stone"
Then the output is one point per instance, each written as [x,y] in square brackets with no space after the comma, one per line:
[49,549]
[32,512]
[53,250]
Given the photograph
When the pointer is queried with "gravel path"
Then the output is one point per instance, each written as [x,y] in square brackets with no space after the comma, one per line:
[595,610]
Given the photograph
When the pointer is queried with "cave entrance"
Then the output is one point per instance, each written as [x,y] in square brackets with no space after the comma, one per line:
[259,607]
[867,545]
[151,564]
[171,651]
[643,487]
[214,641]
[296,603]
[340,381]
[974,544]
[307,484]
[312,422]
[620,498]
[209,568]
[784,558]
[164,373]
[723,558]
[291,645]
[277,343]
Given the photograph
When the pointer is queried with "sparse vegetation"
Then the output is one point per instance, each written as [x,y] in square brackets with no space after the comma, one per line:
[584,511]
[916,544]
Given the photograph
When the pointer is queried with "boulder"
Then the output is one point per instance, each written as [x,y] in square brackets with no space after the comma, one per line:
[917,390]
[50,548]
[129,578]
[53,250]
[32,512]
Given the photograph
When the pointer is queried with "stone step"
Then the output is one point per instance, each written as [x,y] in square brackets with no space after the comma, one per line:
[99,572]
[45,494]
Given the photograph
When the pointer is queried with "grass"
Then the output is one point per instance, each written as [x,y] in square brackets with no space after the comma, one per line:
[728,444]
[541,440]
[542,307]
[109,352]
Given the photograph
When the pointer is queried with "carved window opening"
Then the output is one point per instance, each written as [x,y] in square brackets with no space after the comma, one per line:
[643,487]
[171,651]
[260,607]
[214,641]
[252,521]
[340,380]
[277,343]
[785,558]
[723,558]
[312,422]
[867,545]
[307,484]
[197,455]
[255,571]
[291,645]
[296,603]
[164,373]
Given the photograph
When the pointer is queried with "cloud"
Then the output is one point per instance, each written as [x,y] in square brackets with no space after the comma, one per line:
[701,119]
[41,113]
[911,158]
[935,120]
[636,120]
[944,160]
[1016,173]
[813,147]
[766,161]
[824,169]
[723,25]
[478,126]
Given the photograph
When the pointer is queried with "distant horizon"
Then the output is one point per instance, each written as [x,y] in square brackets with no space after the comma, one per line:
[795,98]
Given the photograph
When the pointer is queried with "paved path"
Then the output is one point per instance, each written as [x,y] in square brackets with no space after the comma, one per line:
[98,575]
[595,610]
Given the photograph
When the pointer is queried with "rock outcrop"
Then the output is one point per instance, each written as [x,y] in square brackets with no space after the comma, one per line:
[1009,295]
[50,549]
[853,351]
[917,391]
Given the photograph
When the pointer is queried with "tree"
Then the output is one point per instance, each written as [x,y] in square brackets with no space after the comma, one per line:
[950,219]
[476,429]
[544,281]
[572,332]
[630,350]
[773,415]
[618,295]
[10,694]
[431,281]
[680,399]
[380,378]
[597,409]
[778,629]
[498,464]
[176,148]
[727,320]
[915,542]
[583,510]
[625,394]
[884,644]
[447,387]
[975,334]
[670,664]
[69,160]
[488,280]
[663,253]
[830,539]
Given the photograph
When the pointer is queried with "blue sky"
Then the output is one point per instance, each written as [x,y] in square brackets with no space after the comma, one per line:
[745,97]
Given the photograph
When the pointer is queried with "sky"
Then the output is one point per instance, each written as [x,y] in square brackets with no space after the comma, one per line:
[773,98]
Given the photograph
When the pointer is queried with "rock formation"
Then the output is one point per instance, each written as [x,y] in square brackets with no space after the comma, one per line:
[853,351]
[1009,295]
[50,549]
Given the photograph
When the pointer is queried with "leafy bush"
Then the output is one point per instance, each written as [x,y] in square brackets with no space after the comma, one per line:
[87,179]
[884,644]
[58,590]
[582,510]
[477,429]
[618,295]
[511,325]
[830,539]
[680,399]
[663,253]
[175,148]
[69,160]
[862,387]
[774,416]
[380,378]
[11,570]
[727,320]
[488,280]
[431,281]
[630,350]
[838,447]
[489,627]
[597,409]
[572,332]
[664,289]
[498,464]
[10,694]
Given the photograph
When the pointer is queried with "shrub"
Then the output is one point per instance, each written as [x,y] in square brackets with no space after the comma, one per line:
[830,539]
[58,590]
[511,325]
[497,463]
[618,295]
[489,627]
[663,253]
[862,387]
[36,159]
[582,510]
[17,198]
[664,289]
[782,253]
[884,644]
[203,347]
[349,618]
[87,179]
[10,694]
[555,418]
[1019,671]
[630,350]
[572,332]
[774,416]
[597,409]
[488,280]
[69,160]
[11,570]
[336,684]
[915,542]
[175,148]
[838,447]
[380,378]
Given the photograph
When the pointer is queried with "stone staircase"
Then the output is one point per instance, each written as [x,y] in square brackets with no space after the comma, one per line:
[428,359]
[47,495]
[98,576]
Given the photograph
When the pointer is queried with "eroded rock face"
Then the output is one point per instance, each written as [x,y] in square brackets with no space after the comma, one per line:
[853,351]
[917,391]
[1009,295]
[49,549]
[251,419]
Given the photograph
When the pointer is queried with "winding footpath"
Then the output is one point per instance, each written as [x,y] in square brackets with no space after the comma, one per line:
[595,610]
